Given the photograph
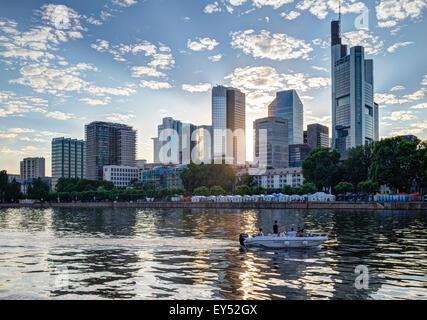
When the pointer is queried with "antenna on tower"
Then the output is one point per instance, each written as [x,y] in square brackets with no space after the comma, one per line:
[339,17]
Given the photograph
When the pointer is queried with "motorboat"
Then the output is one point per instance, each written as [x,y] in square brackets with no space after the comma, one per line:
[281,242]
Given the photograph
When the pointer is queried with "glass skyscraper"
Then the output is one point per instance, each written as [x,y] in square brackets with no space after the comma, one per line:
[288,105]
[67,159]
[354,113]
[108,144]
[229,113]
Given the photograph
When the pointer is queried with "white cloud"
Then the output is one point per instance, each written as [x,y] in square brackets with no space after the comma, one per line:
[140,71]
[390,12]
[320,68]
[393,48]
[58,115]
[215,58]
[420,106]
[118,117]
[372,44]
[202,87]
[397,88]
[211,8]
[400,116]
[275,46]
[321,8]
[291,15]
[202,44]
[155,85]
[424,81]
[124,3]
[276,4]
[96,102]
[20,130]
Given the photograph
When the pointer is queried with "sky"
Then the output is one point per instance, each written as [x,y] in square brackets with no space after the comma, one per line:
[67,63]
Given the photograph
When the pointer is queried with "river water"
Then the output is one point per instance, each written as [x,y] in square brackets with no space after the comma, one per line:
[194,254]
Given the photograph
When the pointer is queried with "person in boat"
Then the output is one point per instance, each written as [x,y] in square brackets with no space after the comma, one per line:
[303,233]
[276,228]
[292,233]
[260,233]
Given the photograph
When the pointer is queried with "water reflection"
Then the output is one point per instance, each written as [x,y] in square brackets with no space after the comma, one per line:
[194,254]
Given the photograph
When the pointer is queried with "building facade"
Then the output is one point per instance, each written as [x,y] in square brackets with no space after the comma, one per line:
[108,144]
[288,105]
[275,153]
[279,178]
[67,159]
[317,136]
[229,124]
[162,176]
[297,154]
[354,114]
[32,168]
[121,176]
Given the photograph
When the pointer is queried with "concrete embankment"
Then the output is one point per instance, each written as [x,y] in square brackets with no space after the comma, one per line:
[258,205]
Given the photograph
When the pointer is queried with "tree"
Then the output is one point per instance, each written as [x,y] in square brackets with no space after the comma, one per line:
[13,191]
[422,172]
[369,187]
[247,180]
[289,190]
[321,167]
[217,190]
[356,166]
[38,190]
[259,190]
[395,163]
[3,184]
[344,187]
[201,191]
[307,188]
[242,190]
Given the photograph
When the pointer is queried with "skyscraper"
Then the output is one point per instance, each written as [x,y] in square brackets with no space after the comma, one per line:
[277,142]
[67,159]
[317,136]
[108,144]
[32,168]
[229,124]
[354,114]
[288,105]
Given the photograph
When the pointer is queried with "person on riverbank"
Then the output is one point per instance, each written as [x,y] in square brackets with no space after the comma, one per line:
[292,233]
[276,228]
[260,233]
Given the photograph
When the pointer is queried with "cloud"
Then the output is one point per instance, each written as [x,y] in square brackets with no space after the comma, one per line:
[202,44]
[20,130]
[291,15]
[393,48]
[320,69]
[372,44]
[124,3]
[397,88]
[276,4]
[275,46]
[211,8]
[420,106]
[215,58]
[155,85]
[202,87]
[96,102]
[414,128]
[58,115]
[424,81]
[390,12]
[321,8]
[7,135]
[13,105]
[118,117]
[140,71]
[400,116]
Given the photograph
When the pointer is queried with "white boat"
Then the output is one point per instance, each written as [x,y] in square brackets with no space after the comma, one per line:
[273,241]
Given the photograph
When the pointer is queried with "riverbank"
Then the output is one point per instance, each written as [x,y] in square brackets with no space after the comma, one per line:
[244,206]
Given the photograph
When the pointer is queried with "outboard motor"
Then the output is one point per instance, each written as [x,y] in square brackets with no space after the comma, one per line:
[242,238]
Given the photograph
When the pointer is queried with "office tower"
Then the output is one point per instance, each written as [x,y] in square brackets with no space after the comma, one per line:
[305,137]
[67,159]
[288,105]
[203,139]
[121,176]
[317,136]
[354,118]
[376,122]
[229,124]
[297,154]
[277,142]
[108,144]
[32,168]
[174,141]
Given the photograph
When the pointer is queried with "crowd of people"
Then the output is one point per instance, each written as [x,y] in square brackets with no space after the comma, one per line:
[300,232]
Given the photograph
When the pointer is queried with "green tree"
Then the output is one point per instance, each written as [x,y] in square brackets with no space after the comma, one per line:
[344,187]
[38,190]
[13,191]
[3,184]
[201,191]
[247,180]
[307,188]
[217,191]
[258,190]
[369,187]
[243,190]
[289,190]
[396,163]
[356,166]
[321,167]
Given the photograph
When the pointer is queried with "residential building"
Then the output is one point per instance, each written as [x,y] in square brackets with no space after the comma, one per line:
[279,178]
[297,154]
[275,153]
[32,168]
[162,176]
[288,105]
[317,136]
[67,159]
[108,144]
[27,182]
[229,124]
[354,114]
[11,177]
[121,176]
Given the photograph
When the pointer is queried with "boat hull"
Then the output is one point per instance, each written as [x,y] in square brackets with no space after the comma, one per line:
[285,242]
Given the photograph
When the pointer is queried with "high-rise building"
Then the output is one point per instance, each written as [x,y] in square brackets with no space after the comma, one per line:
[297,154]
[203,138]
[108,144]
[317,136]
[305,137]
[229,124]
[276,150]
[67,159]
[32,168]
[288,105]
[354,114]
[177,136]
